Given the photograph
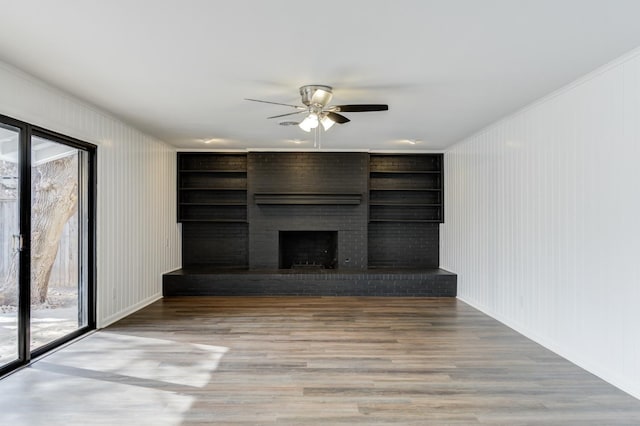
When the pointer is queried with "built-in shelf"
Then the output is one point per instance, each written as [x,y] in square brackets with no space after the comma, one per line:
[215,220]
[405,213]
[214,204]
[218,188]
[406,220]
[396,204]
[213,171]
[307,199]
[405,188]
[212,187]
[405,172]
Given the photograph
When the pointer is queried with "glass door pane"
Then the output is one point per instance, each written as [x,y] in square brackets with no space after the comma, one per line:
[58,248]
[9,243]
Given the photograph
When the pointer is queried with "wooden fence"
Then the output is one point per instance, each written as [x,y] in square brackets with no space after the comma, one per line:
[65,268]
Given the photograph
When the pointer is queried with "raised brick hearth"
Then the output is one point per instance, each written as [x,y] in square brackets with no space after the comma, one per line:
[211,282]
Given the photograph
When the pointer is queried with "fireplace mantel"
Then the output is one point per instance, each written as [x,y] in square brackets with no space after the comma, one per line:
[307,198]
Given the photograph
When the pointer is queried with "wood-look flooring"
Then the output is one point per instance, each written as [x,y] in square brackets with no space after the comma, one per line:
[309,361]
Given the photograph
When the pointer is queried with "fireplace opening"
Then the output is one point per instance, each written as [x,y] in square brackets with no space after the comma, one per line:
[308,249]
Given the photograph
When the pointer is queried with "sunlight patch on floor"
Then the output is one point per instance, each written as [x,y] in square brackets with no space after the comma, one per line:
[151,359]
[106,401]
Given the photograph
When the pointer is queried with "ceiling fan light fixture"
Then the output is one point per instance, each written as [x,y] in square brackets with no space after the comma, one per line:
[316,94]
[310,122]
[321,97]
[316,98]
[327,122]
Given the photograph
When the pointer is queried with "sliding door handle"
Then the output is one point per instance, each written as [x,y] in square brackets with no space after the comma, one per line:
[18,243]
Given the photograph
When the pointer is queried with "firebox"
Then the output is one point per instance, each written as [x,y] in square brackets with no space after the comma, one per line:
[308,250]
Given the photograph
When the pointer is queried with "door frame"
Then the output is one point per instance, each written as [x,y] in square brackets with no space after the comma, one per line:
[27,131]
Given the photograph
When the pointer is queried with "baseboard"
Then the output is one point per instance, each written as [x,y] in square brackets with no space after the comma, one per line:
[627,386]
[105,322]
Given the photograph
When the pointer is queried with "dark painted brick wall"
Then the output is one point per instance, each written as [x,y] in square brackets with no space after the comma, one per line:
[404,245]
[215,161]
[307,172]
[217,244]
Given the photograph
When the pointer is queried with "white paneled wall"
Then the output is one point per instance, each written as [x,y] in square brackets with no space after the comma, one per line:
[543,221]
[137,234]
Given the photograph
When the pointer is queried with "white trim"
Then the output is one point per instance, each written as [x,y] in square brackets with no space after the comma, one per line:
[105,322]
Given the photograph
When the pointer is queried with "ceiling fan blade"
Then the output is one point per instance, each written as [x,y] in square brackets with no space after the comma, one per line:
[361,107]
[276,103]
[284,115]
[338,118]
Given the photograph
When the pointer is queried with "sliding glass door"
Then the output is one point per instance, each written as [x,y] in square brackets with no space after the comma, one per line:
[46,241]
[59,285]
[9,243]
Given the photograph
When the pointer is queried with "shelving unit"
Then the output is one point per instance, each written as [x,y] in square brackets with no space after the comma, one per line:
[406,188]
[212,187]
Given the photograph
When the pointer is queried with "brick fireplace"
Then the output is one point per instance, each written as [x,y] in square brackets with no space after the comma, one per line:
[308,250]
[310,223]
[307,192]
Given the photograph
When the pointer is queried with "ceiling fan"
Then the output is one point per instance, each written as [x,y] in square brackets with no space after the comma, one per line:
[316,98]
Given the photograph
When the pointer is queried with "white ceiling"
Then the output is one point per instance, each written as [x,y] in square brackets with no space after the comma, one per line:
[179,69]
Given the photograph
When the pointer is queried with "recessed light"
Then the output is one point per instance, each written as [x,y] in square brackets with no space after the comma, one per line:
[208,141]
[409,141]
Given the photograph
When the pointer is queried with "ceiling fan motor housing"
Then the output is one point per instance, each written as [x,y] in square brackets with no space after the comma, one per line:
[316,95]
